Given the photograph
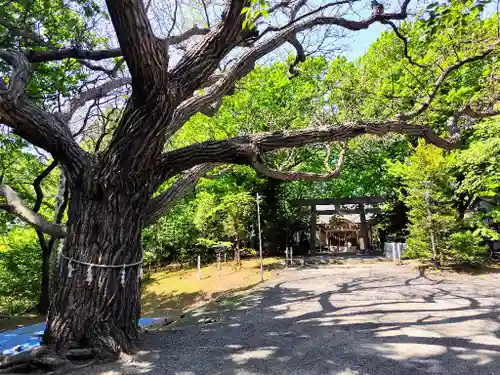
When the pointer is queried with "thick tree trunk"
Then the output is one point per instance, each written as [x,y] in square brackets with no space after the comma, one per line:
[98,307]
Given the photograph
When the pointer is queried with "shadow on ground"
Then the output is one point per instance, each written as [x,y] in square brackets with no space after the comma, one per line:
[362,320]
[271,266]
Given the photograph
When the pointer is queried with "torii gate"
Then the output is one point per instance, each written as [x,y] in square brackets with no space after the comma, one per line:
[337,202]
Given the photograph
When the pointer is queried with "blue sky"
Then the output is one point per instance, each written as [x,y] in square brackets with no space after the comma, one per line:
[361,40]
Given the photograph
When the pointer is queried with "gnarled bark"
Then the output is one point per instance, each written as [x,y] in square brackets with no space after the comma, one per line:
[99,306]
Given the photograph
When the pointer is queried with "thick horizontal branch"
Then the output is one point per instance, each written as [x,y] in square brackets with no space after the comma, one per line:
[160,205]
[247,150]
[478,114]
[295,176]
[14,205]
[442,78]
[71,53]
[96,55]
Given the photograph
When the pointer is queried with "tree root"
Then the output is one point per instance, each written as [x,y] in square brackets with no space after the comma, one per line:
[42,358]
[70,367]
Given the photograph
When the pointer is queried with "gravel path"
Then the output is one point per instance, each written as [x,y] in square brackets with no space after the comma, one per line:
[377,319]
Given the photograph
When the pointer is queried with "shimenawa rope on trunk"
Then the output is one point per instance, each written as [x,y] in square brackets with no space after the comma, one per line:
[90,266]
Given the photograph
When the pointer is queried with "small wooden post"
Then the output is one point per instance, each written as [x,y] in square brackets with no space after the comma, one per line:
[286,257]
[291,256]
[313,230]
[225,257]
[198,276]
[237,258]
[260,241]
[363,229]
[218,261]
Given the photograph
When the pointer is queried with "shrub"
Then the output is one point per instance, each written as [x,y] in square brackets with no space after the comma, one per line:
[20,270]
[464,247]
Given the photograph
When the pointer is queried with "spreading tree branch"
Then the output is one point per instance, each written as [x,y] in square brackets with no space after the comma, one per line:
[248,150]
[110,72]
[160,205]
[95,93]
[201,60]
[294,176]
[300,57]
[14,205]
[247,61]
[57,54]
[478,114]
[21,70]
[30,122]
[446,72]
[71,53]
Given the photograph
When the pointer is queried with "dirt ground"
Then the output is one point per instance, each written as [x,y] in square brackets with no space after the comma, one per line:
[362,319]
[169,293]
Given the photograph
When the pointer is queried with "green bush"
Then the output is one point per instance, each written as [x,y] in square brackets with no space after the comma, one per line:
[433,190]
[20,270]
[171,236]
[464,247]
[417,245]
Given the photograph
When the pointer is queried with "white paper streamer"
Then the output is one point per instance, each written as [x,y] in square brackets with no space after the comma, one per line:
[71,269]
[122,281]
[89,275]
[59,251]
[91,266]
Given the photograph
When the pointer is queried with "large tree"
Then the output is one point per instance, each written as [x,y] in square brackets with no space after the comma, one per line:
[172,77]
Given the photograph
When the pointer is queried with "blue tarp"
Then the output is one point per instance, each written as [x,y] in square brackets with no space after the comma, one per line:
[29,337]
